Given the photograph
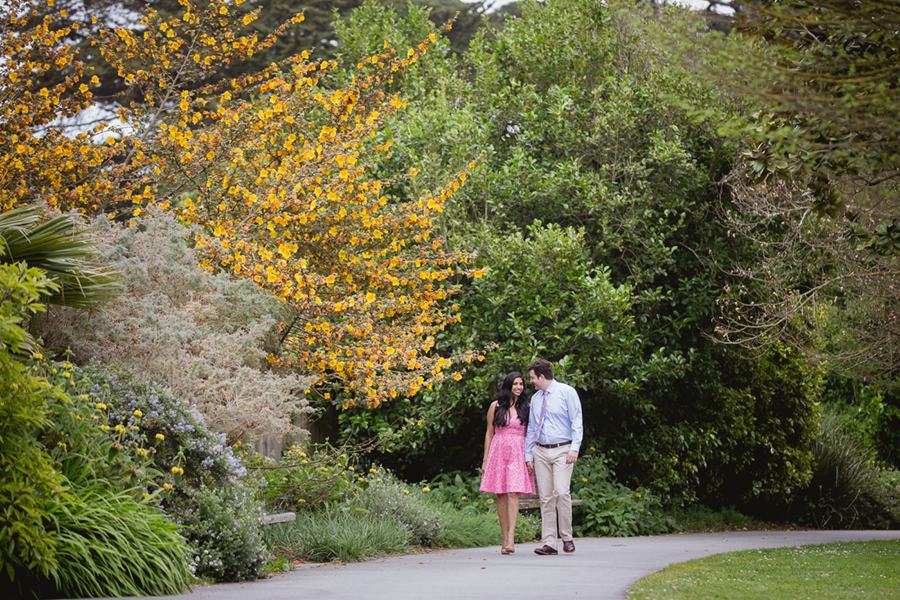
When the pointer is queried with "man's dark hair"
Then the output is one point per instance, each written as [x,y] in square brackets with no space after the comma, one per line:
[541,367]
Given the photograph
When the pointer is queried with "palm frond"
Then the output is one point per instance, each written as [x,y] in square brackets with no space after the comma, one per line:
[64,251]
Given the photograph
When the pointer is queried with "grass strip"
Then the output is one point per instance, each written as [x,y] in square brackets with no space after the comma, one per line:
[837,571]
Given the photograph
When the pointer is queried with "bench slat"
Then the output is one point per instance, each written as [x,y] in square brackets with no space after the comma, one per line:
[284,517]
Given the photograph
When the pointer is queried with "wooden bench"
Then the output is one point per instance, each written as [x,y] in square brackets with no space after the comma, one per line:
[530,501]
[284,517]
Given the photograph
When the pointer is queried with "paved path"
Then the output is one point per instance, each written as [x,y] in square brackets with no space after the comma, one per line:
[600,569]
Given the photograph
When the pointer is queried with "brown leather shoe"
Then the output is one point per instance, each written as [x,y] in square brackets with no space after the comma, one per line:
[569,546]
[545,550]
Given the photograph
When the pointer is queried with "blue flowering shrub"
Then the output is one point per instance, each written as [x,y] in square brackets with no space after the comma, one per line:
[194,476]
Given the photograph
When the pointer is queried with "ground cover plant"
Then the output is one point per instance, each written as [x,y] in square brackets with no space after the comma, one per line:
[839,570]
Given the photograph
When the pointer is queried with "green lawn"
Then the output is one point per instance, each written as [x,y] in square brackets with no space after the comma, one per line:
[837,571]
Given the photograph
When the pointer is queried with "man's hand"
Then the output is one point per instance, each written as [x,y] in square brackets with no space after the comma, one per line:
[571,457]
[530,467]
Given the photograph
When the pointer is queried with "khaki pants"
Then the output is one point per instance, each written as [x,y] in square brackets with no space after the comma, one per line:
[553,477]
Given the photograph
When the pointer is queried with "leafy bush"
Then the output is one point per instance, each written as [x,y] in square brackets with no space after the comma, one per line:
[611,509]
[337,535]
[391,499]
[155,416]
[206,336]
[94,516]
[27,476]
[460,490]
[314,476]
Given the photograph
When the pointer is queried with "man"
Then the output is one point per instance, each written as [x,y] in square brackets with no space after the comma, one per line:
[552,443]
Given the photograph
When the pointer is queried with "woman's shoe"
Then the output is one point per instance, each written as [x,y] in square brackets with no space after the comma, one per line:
[506,551]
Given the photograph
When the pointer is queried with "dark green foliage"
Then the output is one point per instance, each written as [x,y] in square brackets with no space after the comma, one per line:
[828,109]
[580,121]
[846,491]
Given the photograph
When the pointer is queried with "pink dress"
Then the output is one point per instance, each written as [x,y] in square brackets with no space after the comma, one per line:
[505,470]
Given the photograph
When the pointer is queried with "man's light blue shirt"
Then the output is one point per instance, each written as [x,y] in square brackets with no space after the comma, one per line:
[562,421]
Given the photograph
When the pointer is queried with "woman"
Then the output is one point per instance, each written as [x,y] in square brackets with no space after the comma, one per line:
[503,467]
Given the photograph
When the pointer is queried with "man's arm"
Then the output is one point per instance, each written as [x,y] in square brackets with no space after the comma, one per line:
[529,435]
[577,420]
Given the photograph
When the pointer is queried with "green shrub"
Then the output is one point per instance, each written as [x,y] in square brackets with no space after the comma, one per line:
[222,527]
[611,509]
[311,477]
[27,476]
[346,536]
[391,499]
[152,415]
[460,490]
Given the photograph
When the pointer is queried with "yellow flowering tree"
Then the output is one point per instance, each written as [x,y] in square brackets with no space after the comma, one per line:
[274,166]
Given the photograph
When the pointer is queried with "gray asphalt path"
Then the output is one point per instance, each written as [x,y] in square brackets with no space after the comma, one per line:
[600,568]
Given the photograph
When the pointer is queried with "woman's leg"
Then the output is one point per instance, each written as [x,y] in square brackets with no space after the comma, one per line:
[503,513]
[513,512]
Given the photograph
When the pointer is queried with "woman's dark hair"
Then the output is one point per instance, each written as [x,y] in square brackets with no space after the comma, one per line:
[505,399]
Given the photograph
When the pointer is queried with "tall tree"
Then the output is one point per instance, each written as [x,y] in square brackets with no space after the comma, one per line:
[822,76]
[273,166]
[583,123]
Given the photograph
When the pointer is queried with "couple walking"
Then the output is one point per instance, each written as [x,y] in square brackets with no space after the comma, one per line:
[526,440]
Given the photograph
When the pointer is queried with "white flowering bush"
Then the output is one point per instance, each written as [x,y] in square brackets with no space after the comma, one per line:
[204,335]
[224,532]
